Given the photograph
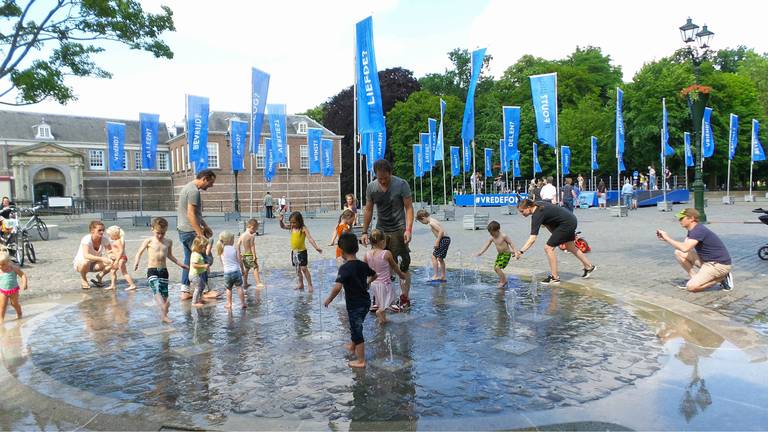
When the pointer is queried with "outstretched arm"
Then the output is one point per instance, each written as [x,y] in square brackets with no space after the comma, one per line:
[332,295]
[485,247]
[312,240]
[140,252]
[526,246]
[393,265]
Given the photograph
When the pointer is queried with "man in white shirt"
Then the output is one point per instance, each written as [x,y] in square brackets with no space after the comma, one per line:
[549,192]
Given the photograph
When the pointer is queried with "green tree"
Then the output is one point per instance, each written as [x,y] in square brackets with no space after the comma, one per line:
[455,81]
[51,40]
[317,113]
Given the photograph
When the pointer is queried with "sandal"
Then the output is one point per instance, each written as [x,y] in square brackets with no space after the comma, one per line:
[85,286]
[97,283]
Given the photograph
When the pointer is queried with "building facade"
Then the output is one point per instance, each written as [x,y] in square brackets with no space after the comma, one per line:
[292,180]
[59,155]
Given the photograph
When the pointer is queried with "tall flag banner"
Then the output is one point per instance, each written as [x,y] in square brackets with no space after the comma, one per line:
[277,130]
[379,145]
[488,162]
[269,160]
[149,125]
[515,168]
[758,154]
[426,152]
[440,147]
[326,147]
[733,137]
[565,151]
[511,116]
[621,163]
[259,90]
[432,128]
[466,155]
[239,137]
[468,123]
[455,161]
[619,122]
[366,148]
[688,154]
[314,138]
[418,160]
[197,131]
[668,150]
[544,95]
[707,138]
[370,112]
[116,145]
[536,166]
[594,153]
[503,156]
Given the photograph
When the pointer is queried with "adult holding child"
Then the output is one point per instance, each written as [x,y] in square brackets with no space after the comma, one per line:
[92,256]
[191,224]
[562,224]
[394,208]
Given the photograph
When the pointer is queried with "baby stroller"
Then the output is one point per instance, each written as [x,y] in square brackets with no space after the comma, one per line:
[763,251]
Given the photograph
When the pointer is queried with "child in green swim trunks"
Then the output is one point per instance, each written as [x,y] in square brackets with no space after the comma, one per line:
[250,262]
[505,250]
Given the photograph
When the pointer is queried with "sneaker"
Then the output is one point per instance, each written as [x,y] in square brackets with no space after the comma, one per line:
[727,283]
[588,272]
[550,280]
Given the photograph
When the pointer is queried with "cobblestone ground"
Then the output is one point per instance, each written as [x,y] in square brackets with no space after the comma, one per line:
[629,257]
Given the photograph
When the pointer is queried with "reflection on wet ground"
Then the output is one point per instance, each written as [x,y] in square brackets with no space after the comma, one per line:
[464,350]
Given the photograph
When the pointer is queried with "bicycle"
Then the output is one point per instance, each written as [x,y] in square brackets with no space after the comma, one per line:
[16,240]
[36,222]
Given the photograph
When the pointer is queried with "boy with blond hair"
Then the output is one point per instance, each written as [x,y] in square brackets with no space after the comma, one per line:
[440,250]
[247,244]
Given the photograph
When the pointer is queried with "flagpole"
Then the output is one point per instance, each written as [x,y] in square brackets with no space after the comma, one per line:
[751,165]
[110,170]
[431,198]
[663,167]
[474,195]
[141,185]
[728,183]
[618,184]
[557,145]
[250,213]
[421,189]
[354,122]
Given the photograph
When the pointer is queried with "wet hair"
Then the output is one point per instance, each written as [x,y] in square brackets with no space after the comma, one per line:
[206,174]
[114,229]
[493,226]
[4,256]
[348,243]
[382,165]
[225,238]
[159,223]
[347,214]
[94,224]
[526,203]
[252,223]
[377,236]
[422,214]
[199,244]
[298,218]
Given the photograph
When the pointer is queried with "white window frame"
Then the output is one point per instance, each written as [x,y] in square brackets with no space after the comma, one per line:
[95,155]
[261,156]
[304,156]
[213,155]
[301,128]
[173,161]
[43,131]
[162,158]
[125,160]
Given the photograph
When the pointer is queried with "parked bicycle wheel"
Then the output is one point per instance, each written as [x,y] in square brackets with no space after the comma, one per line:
[19,250]
[29,251]
[42,229]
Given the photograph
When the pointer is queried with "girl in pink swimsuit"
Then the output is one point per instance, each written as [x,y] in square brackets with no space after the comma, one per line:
[9,284]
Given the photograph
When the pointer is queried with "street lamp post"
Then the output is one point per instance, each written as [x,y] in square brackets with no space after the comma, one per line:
[236,201]
[697,104]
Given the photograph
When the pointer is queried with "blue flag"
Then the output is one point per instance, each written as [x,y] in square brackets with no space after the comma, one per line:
[733,137]
[116,145]
[367,145]
[370,112]
[668,150]
[455,161]
[259,90]
[379,145]
[426,151]
[515,168]
[314,136]
[544,95]
[503,156]
[432,127]
[148,127]
[326,147]
[621,163]
[269,160]
[619,123]
[440,147]
[511,116]
[197,131]
[468,123]
[418,160]
[758,154]
[688,154]
[594,153]
[536,166]
[565,151]
[239,138]
[277,130]
[488,163]
[707,138]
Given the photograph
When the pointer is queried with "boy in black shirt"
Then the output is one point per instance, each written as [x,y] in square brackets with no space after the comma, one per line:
[354,276]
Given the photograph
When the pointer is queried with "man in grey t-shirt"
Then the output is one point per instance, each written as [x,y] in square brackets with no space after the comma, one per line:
[394,208]
[268,204]
[189,216]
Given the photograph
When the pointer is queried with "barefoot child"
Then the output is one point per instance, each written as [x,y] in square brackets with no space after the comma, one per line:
[249,260]
[198,269]
[10,284]
[159,248]
[442,242]
[354,276]
[230,260]
[504,247]
[117,238]
[345,225]
[299,235]
[383,263]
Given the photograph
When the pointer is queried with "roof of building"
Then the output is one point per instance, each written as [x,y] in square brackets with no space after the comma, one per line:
[67,128]
[219,121]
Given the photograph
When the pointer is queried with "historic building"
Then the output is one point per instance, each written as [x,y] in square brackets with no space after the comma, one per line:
[302,190]
[62,155]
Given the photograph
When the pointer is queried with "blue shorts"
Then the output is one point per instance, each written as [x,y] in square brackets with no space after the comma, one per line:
[356,318]
[231,279]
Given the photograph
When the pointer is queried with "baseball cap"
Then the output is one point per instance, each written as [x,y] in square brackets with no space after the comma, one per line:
[687,212]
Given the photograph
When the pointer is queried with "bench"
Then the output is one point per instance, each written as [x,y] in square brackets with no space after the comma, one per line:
[142,221]
[449,213]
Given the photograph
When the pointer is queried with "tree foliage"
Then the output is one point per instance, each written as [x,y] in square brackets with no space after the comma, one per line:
[43,42]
